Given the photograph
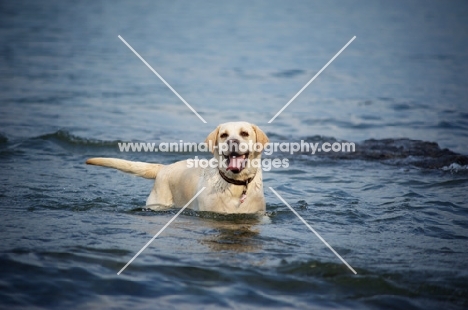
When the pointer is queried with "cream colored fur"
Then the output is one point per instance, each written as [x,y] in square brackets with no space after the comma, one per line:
[176,184]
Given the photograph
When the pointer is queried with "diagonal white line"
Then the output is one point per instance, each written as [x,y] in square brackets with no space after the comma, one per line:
[160,231]
[311,80]
[321,239]
[162,79]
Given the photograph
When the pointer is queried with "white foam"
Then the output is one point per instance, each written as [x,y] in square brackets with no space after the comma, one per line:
[454,167]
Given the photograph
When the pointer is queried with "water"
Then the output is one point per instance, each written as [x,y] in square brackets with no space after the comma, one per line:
[396,210]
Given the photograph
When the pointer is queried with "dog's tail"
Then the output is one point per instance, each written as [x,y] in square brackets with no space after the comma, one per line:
[145,170]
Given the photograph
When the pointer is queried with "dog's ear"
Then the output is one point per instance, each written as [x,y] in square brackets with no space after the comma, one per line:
[261,136]
[212,139]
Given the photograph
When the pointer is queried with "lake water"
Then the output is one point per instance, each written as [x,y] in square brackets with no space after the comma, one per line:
[396,210]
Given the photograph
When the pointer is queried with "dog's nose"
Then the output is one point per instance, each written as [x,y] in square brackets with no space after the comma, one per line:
[233,145]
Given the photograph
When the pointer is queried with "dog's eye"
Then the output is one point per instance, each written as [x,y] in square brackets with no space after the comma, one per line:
[224,135]
[244,134]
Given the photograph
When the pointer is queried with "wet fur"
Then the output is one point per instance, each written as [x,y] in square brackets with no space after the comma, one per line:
[176,184]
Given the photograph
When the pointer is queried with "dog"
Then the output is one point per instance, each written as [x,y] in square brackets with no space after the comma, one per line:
[236,187]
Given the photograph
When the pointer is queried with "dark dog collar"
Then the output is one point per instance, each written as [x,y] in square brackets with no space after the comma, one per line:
[237,182]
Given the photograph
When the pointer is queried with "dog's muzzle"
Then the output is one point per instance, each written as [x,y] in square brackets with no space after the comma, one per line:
[236,160]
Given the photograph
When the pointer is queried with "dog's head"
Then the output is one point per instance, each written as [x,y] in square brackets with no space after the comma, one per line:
[238,144]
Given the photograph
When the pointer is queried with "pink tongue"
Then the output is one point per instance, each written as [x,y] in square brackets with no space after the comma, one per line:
[235,163]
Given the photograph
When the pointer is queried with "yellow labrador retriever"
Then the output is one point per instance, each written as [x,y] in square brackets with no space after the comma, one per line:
[234,185]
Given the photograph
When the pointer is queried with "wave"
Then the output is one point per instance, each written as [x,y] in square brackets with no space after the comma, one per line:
[404,151]
[64,137]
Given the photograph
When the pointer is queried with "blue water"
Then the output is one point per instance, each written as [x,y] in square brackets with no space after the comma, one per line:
[396,209]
